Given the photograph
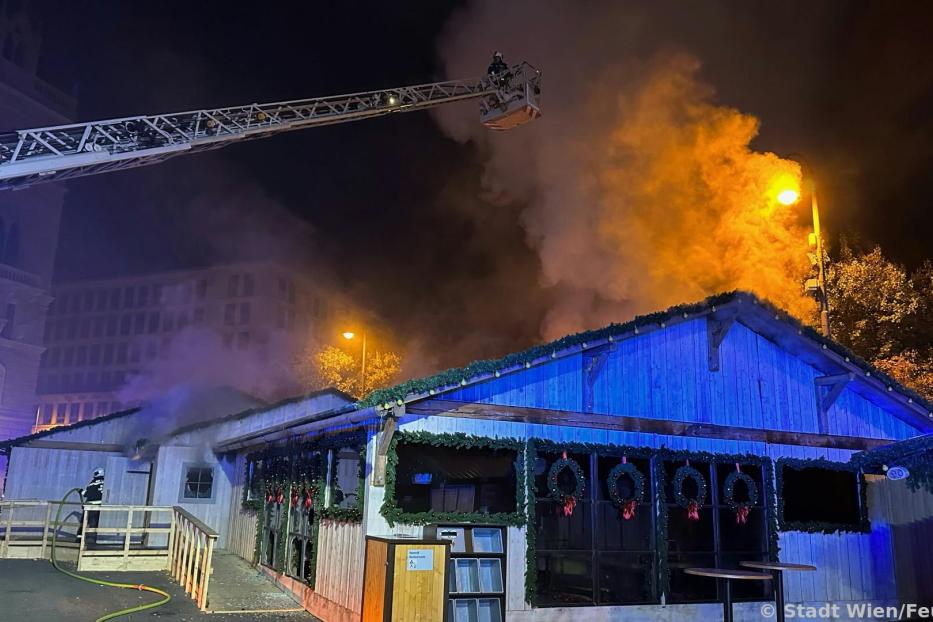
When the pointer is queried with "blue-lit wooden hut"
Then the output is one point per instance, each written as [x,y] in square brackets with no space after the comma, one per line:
[577,480]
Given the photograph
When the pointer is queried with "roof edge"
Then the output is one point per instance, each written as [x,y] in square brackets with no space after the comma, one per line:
[479,371]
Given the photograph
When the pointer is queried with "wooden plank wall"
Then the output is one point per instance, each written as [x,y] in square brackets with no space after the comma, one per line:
[339,576]
[853,567]
[47,474]
[374,583]
[664,374]
[168,482]
[908,514]
[242,523]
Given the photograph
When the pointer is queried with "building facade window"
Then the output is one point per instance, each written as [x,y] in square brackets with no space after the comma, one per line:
[197,483]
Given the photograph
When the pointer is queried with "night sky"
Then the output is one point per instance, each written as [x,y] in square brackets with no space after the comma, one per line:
[393,207]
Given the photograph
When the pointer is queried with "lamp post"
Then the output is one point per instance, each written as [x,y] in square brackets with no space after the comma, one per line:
[790,197]
[350,335]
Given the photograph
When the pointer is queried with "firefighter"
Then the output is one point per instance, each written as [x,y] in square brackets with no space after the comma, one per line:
[93,494]
[498,69]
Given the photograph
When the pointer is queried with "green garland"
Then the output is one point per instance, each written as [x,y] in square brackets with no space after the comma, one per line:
[861,526]
[289,470]
[260,529]
[531,538]
[351,514]
[281,549]
[394,514]
[566,500]
[638,483]
[915,454]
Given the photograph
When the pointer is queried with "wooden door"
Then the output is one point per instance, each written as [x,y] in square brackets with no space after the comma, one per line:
[126,482]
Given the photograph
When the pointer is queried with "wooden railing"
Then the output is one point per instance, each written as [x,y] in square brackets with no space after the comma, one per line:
[192,551]
[26,529]
[127,537]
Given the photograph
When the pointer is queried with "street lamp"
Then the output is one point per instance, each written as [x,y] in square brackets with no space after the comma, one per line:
[790,196]
[349,336]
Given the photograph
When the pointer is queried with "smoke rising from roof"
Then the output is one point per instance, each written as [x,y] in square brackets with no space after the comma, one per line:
[642,190]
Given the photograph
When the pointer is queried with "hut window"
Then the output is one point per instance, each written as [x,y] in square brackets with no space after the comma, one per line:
[345,478]
[198,483]
[253,479]
[442,479]
[716,540]
[593,556]
[818,496]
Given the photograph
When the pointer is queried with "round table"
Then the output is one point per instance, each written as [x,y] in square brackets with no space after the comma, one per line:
[727,575]
[776,569]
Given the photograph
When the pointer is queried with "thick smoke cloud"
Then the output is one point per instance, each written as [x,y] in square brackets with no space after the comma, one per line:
[642,190]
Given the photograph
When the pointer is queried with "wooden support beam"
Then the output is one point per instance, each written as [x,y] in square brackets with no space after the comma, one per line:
[386,432]
[833,386]
[566,418]
[105,447]
[717,327]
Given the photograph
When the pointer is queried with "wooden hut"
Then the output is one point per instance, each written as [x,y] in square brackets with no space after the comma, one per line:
[579,479]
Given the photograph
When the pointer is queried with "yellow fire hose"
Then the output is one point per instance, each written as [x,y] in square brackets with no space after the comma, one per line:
[128,586]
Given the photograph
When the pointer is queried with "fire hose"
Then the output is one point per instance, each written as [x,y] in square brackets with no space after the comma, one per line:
[127,586]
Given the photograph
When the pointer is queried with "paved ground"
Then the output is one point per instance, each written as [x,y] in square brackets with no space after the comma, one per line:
[33,591]
[238,586]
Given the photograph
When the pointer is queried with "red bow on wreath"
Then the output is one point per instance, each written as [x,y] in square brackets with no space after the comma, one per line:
[307,500]
[628,507]
[741,514]
[294,499]
[570,501]
[693,511]
[279,496]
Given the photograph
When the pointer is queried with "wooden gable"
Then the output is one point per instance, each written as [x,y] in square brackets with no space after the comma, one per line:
[666,374]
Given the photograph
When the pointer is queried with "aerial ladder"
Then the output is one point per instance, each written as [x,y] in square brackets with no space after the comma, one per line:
[508,98]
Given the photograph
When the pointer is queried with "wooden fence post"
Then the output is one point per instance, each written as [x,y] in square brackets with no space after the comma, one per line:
[45,530]
[5,549]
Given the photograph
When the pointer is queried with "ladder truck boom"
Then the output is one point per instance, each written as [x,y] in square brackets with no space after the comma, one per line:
[30,157]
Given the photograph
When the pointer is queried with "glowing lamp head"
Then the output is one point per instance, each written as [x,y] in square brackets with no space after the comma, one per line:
[349,335]
[788,196]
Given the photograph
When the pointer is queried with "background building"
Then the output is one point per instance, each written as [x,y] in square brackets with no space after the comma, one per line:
[29,222]
[115,342]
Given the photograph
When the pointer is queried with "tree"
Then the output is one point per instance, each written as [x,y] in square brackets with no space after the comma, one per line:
[882,312]
[333,367]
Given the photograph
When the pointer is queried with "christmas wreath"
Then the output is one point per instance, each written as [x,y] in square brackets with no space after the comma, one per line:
[741,508]
[692,505]
[626,505]
[566,501]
